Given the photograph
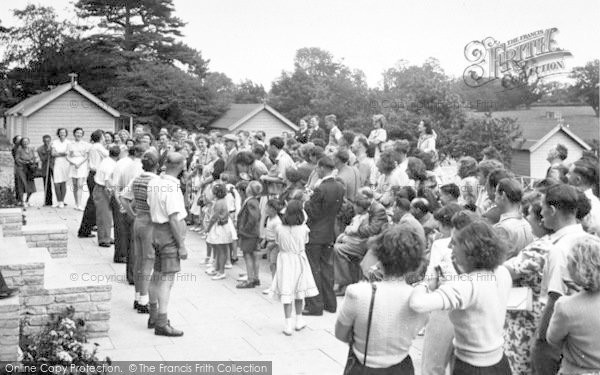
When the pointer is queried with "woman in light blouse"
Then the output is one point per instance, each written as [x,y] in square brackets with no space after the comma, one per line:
[378,135]
[477,300]
[575,323]
[60,173]
[77,155]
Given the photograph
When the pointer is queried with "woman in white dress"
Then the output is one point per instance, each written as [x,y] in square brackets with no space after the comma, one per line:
[427,138]
[61,166]
[378,136]
[77,155]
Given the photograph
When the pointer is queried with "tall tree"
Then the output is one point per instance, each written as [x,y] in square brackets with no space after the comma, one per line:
[144,29]
[586,83]
[249,92]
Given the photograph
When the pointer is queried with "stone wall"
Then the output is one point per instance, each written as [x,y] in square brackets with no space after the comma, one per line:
[11,220]
[9,328]
[91,303]
[38,304]
[52,237]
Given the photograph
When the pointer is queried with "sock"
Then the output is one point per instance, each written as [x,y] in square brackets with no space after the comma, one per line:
[143,300]
[288,323]
[137,296]
[161,320]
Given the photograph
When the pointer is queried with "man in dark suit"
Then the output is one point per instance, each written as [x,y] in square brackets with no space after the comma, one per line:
[322,208]
[164,141]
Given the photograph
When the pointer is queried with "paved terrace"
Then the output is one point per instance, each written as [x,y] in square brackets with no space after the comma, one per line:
[220,321]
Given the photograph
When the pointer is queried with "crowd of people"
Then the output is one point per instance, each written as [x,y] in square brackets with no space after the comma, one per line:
[505,279]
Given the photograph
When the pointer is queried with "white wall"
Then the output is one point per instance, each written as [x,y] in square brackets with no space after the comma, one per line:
[69,111]
[265,121]
[539,165]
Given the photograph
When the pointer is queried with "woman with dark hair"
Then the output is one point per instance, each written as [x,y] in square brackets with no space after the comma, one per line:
[61,165]
[477,300]
[378,136]
[469,183]
[293,281]
[109,139]
[77,156]
[248,167]
[26,161]
[417,171]
[427,137]
[16,144]
[371,313]
[389,176]
[526,270]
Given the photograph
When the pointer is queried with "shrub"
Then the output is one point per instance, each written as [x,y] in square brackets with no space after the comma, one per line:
[7,197]
[61,343]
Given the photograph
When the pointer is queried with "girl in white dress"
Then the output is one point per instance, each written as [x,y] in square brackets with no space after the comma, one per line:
[61,166]
[77,155]
[293,280]
[378,136]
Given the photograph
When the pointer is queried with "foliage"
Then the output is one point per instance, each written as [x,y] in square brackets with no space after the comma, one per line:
[161,94]
[478,134]
[586,85]
[61,343]
[322,86]
[8,198]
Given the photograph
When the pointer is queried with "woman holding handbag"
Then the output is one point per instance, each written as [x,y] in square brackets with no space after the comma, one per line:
[26,161]
[375,319]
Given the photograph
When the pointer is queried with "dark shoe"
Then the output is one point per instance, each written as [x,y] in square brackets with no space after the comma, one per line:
[245,285]
[8,292]
[136,305]
[112,242]
[167,331]
[312,313]
[120,260]
[152,322]
[330,311]
[234,260]
[95,228]
[86,235]
[257,282]
[143,309]
[104,244]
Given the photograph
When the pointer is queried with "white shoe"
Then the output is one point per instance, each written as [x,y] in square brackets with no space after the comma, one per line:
[300,323]
[288,330]
[267,291]
[55,205]
[219,276]
[243,278]
[228,266]
[61,205]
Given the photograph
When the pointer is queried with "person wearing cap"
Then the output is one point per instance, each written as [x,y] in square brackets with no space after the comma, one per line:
[102,194]
[168,213]
[231,149]
[134,200]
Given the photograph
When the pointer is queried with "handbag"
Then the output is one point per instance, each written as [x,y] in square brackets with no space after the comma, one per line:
[353,366]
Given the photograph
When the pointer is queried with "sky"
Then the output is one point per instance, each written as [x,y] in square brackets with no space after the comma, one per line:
[257,39]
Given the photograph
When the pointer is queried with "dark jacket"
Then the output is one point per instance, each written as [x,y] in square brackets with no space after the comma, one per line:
[377,219]
[248,222]
[319,133]
[322,209]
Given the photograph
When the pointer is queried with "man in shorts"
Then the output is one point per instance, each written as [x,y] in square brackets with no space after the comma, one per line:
[167,212]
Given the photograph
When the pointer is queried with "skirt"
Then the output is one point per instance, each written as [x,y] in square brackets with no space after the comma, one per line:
[26,183]
[81,172]
[222,234]
[61,170]
[293,279]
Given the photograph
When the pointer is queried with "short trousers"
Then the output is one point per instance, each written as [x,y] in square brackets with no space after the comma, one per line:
[248,245]
[165,249]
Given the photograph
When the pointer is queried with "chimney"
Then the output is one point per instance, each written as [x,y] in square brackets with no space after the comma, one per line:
[73,78]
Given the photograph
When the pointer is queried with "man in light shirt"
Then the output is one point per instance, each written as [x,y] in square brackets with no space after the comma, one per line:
[512,227]
[283,161]
[126,170]
[559,210]
[96,154]
[102,196]
[335,134]
[167,212]
[583,174]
